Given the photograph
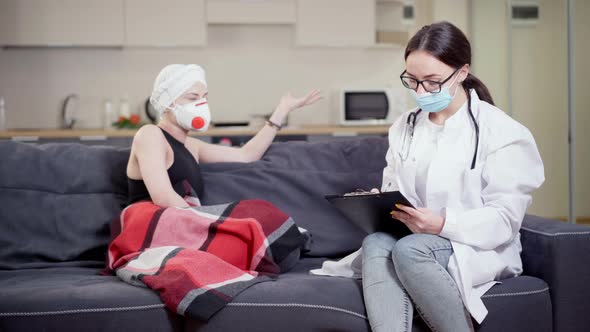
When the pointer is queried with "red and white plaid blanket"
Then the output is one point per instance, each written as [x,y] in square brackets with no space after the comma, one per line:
[199,258]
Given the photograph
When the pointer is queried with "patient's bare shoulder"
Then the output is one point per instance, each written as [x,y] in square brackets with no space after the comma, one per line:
[149,141]
[148,134]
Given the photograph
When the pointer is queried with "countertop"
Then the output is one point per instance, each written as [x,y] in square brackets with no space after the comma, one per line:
[221,131]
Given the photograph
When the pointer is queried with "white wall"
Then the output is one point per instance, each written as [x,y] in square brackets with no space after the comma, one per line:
[489,47]
[454,11]
[539,76]
[248,68]
[539,89]
[582,106]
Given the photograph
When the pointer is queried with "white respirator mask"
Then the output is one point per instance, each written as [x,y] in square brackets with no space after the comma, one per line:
[194,115]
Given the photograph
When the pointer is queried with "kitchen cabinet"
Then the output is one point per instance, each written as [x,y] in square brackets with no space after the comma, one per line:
[337,23]
[165,23]
[251,11]
[61,23]
[394,20]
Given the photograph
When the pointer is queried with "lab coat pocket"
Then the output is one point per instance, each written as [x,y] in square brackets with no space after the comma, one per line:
[472,183]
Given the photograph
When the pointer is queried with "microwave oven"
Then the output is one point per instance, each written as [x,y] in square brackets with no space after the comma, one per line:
[359,107]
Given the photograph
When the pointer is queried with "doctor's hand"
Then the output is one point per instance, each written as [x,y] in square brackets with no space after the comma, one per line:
[420,220]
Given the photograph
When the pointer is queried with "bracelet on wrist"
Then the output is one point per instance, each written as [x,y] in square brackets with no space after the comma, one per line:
[274,125]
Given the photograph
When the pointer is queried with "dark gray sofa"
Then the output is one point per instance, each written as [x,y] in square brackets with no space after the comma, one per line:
[57,200]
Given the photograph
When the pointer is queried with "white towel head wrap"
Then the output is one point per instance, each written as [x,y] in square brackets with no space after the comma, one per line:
[172,82]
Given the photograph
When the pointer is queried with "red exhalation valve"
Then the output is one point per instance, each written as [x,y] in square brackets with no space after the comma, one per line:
[198,122]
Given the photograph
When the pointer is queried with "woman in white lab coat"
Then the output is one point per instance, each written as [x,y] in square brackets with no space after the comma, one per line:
[469,170]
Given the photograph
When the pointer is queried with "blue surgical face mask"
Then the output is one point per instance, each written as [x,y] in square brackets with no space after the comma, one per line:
[435,102]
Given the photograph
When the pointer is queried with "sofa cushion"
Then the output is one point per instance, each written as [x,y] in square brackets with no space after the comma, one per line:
[559,252]
[302,302]
[77,299]
[297,301]
[296,176]
[514,302]
[57,201]
[74,299]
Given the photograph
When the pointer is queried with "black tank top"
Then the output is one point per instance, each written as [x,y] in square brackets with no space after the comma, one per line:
[184,167]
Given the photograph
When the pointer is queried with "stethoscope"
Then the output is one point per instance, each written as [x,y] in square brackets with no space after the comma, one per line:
[409,135]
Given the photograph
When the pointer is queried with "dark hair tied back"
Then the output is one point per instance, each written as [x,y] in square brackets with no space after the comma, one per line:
[448,44]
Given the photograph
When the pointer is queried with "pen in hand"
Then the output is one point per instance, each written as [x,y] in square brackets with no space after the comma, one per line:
[388,185]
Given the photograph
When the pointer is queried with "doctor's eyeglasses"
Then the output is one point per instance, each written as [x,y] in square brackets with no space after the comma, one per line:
[428,85]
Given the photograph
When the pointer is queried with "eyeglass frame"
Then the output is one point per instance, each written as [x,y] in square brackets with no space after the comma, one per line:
[421,82]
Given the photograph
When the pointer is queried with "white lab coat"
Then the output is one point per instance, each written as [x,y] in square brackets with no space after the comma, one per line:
[483,207]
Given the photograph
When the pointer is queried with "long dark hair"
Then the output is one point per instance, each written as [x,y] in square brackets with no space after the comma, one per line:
[448,44]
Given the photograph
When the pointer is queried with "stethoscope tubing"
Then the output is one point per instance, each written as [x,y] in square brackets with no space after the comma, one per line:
[411,125]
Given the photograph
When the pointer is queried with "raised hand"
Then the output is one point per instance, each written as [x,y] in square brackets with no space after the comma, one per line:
[290,103]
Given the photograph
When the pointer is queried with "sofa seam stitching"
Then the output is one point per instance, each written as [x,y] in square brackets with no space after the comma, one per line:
[300,305]
[555,234]
[78,311]
[517,293]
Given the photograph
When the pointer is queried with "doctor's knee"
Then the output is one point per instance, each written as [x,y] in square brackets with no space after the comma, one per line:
[378,244]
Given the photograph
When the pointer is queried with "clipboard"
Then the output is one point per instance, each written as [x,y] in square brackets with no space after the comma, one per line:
[371,211]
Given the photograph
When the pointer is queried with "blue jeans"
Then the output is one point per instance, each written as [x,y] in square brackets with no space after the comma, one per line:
[400,275]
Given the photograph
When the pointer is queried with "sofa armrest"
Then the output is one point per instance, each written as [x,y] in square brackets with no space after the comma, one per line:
[559,253]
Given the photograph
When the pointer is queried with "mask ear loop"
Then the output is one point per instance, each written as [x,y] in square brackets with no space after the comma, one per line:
[457,87]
